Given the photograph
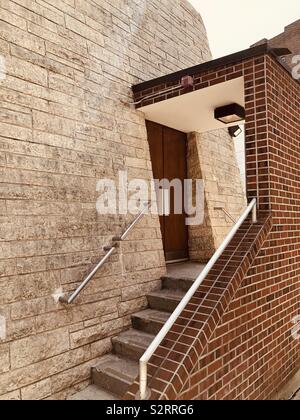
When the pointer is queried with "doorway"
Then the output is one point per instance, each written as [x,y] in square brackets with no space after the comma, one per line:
[168,150]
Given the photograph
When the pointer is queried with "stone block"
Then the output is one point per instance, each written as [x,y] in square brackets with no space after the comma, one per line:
[33,349]
[37,391]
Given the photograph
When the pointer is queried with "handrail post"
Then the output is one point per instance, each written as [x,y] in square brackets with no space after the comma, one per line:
[254,213]
[143,380]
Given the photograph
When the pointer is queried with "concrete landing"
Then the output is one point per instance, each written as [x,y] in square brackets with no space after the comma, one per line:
[186,270]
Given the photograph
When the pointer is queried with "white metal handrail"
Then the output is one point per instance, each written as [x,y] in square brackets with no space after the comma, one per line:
[144,392]
[110,250]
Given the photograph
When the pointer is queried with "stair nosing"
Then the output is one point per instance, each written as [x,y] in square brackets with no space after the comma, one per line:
[189,279]
[122,377]
[166,296]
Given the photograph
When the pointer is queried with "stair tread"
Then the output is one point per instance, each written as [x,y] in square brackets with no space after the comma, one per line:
[173,283]
[135,337]
[153,315]
[185,271]
[93,393]
[119,367]
[179,278]
[117,371]
[168,294]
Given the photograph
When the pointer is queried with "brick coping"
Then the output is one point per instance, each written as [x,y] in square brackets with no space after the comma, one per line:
[212,65]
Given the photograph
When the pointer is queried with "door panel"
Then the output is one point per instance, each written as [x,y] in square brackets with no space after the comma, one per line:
[175,167]
[168,155]
[155,138]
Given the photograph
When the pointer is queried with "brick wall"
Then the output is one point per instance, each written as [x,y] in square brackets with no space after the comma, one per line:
[234,340]
[64,124]
[252,353]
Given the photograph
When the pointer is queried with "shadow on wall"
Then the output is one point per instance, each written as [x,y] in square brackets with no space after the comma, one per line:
[201,239]
[212,157]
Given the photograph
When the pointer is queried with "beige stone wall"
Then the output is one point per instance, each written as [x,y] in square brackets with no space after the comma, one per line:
[64,124]
[212,158]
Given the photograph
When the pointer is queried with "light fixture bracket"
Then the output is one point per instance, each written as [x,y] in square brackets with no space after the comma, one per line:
[235,131]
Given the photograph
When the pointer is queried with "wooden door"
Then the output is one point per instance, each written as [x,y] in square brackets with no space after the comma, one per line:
[168,154]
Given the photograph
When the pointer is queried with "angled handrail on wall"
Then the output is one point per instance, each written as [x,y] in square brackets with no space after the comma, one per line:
[144,391]
[226,213]
[109,251]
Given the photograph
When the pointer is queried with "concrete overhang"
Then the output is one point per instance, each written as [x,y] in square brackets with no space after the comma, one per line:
[167,101]
[194,111]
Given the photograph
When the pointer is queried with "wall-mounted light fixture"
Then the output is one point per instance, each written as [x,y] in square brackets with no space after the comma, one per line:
[229,114]
[235,131]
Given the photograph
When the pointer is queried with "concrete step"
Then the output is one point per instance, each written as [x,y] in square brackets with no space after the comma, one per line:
[165,300]
[93,393]
[132,344]
[150,321]
[115,374]
[173,283]
[188,270]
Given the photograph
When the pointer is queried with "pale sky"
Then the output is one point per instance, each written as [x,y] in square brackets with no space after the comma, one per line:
[234,25]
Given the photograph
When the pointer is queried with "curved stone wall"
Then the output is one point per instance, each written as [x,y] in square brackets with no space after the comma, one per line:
[65,123]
